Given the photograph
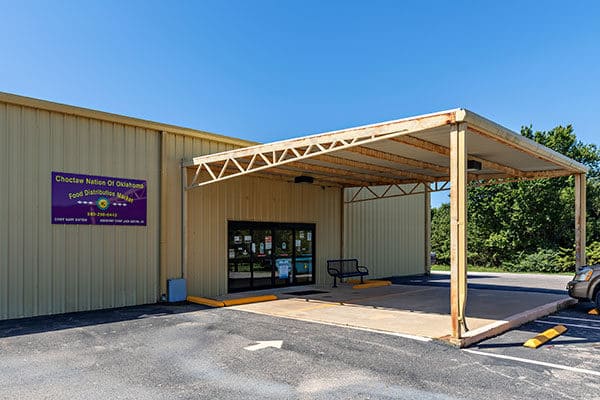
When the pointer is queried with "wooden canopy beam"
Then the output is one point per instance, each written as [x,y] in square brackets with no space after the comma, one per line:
[382,155]
[374,168]
[366,179]
[443,150]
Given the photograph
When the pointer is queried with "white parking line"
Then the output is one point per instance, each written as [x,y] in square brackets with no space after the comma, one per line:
[544,364]
[596,328]
[575,319]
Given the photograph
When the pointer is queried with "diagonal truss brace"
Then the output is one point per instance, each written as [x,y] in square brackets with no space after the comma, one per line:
[399,190]
[220,166]
[365,193]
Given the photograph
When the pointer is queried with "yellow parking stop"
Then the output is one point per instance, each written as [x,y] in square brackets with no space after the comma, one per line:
[545,336]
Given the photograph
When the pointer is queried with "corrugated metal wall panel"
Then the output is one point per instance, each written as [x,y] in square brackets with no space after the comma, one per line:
[387,235]
[178,147]
[255,199]
[45,268]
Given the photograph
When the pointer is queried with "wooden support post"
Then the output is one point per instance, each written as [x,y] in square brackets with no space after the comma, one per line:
[458,227]
[580,221]
[427,238]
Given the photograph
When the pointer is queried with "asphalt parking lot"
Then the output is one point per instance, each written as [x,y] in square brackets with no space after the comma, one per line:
[576,349]
[194,352]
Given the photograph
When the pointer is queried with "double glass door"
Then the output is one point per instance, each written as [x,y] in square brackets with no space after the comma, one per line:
[263,255]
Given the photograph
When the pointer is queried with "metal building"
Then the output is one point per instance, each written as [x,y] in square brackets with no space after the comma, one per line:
[99,210]
[48,268]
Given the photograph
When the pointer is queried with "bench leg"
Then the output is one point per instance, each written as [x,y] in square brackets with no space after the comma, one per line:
[361,279]
[334,281]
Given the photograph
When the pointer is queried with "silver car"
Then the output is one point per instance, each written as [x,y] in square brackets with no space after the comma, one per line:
[586,284]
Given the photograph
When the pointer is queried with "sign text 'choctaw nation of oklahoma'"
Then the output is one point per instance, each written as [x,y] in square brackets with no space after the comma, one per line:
[97,200]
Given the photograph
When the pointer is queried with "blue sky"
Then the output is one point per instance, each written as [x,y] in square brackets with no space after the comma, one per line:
[267,70]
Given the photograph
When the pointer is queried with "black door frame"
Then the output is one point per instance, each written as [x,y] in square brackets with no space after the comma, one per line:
[272,226]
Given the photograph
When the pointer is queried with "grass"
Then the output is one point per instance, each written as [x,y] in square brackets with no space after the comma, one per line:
[474,268]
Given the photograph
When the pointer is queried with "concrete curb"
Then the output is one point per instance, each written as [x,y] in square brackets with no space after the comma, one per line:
[248,300]
[371,284]
[205,301]
[514,321]
[230,302]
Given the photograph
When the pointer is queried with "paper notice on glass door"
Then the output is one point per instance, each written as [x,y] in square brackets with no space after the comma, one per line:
[283,267]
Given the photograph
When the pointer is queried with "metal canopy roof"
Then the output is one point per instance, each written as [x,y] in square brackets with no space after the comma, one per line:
[404,151]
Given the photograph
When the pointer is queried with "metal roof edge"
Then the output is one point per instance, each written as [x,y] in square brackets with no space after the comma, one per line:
[117,118]
[510,137]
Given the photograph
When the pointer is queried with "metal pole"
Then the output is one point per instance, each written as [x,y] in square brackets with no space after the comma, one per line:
[427,238]
[342,227]
[184,220]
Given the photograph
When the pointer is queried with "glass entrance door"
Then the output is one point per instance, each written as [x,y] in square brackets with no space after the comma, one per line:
[240,259]
[284,252]
[262,251]
[265,254]
[304,251]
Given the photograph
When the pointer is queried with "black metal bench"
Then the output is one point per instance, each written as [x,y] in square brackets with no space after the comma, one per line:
[345,268]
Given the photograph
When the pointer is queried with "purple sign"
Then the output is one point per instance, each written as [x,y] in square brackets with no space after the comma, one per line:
[97,200]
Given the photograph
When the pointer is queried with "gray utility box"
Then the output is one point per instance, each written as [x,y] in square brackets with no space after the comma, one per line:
[176,290]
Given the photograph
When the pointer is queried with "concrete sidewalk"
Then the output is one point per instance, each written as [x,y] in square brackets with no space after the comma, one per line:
[403,309]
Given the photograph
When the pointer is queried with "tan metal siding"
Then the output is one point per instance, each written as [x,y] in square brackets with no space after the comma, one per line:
[45,268]
[176,148]
[386,234]
[255,199]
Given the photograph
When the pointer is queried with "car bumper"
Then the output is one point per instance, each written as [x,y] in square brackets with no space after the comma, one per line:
[578,290]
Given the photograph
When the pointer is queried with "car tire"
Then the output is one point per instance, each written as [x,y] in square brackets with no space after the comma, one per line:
[597,299]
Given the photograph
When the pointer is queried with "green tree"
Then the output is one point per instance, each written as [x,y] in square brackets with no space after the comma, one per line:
[508,222]
[440,233]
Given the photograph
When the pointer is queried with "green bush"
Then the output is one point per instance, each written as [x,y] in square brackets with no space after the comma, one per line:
[593,253]
[566,259]
[543,260]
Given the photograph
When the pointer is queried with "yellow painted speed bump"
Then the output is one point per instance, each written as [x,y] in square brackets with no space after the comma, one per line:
[594,311]
[371,284]
[248,300]
[205,302]
[545,336]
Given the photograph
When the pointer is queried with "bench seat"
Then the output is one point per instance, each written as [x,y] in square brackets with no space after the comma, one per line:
[345,268]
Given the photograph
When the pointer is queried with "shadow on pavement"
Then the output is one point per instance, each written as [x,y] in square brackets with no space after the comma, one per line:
[438,280]
[27,326]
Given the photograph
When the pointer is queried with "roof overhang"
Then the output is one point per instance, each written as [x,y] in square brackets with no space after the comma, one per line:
[408,150]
